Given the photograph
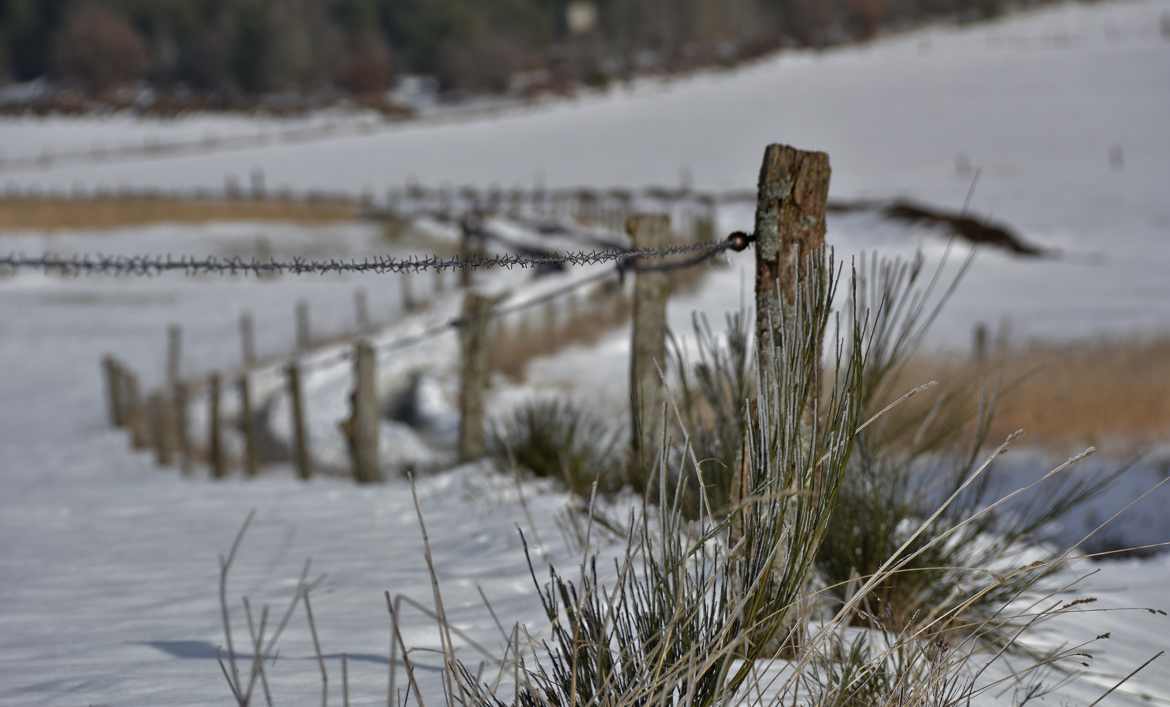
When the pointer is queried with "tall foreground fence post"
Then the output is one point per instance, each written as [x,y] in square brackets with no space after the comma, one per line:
[474,374]
[647,349]
[362,427]
[790,226]
[300,439]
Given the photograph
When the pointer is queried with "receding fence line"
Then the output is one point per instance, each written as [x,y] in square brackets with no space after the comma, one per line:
[790,223]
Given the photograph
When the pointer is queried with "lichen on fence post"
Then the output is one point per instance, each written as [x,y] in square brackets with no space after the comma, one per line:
[647,350]
[790,228]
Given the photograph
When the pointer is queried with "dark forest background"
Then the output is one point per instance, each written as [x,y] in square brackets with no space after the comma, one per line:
[246,48]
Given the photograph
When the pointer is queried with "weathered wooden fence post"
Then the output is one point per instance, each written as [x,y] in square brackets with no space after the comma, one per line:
[362,309]
[304,335]
[300,438]
[471,248]
[248,425]
[215,451]
[980,343]
[135,414]
[647,350]
[248,339]
[174,354]
[362,426]
[161,411]
[474,350]
[115,399]
[790,227]
[182,396]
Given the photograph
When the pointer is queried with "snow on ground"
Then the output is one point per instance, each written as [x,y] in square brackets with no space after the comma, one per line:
[108,566]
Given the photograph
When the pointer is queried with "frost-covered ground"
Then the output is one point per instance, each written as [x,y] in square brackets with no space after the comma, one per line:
[108,565]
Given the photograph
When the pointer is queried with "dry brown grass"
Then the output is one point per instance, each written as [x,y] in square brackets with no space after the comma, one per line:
[65,214]
[521,338]
[1113,394]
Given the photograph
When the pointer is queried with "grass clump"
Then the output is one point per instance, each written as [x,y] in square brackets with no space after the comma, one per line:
[556,438]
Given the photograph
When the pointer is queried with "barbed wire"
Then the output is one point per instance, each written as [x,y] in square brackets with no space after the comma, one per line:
[736,242]
[194,266]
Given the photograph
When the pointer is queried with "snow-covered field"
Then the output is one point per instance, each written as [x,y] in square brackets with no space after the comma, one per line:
[108,566]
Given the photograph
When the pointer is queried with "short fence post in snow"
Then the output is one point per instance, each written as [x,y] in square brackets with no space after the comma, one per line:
[647,349]
[215,451]
[301,458]
[304,336]
[115,401]
[980,344]
[135,415]
[440,279]
[362,309]
[474,371]
[248,426]
[174,353]
[160,409]
[248,339]
[361,429]
[182,395]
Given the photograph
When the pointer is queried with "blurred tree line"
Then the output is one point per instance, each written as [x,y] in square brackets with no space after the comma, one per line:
[237,48]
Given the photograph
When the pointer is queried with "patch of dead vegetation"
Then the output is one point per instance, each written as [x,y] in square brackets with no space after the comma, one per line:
[52,214]
[1110,393]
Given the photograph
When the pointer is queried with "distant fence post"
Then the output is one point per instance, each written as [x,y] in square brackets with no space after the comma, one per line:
[361,303]
[160,408]
[182,396]
[471,248]
[135,414]
[300,440]
[790,227]
[647,349]
[215,451]
[248,425]
[304,335]
[473,375]
[174,354]
[248,339]
[980,343]
[362,426]
[115,399]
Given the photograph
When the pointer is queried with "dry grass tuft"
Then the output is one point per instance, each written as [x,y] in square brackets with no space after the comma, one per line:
[65,214]
[1111,394]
